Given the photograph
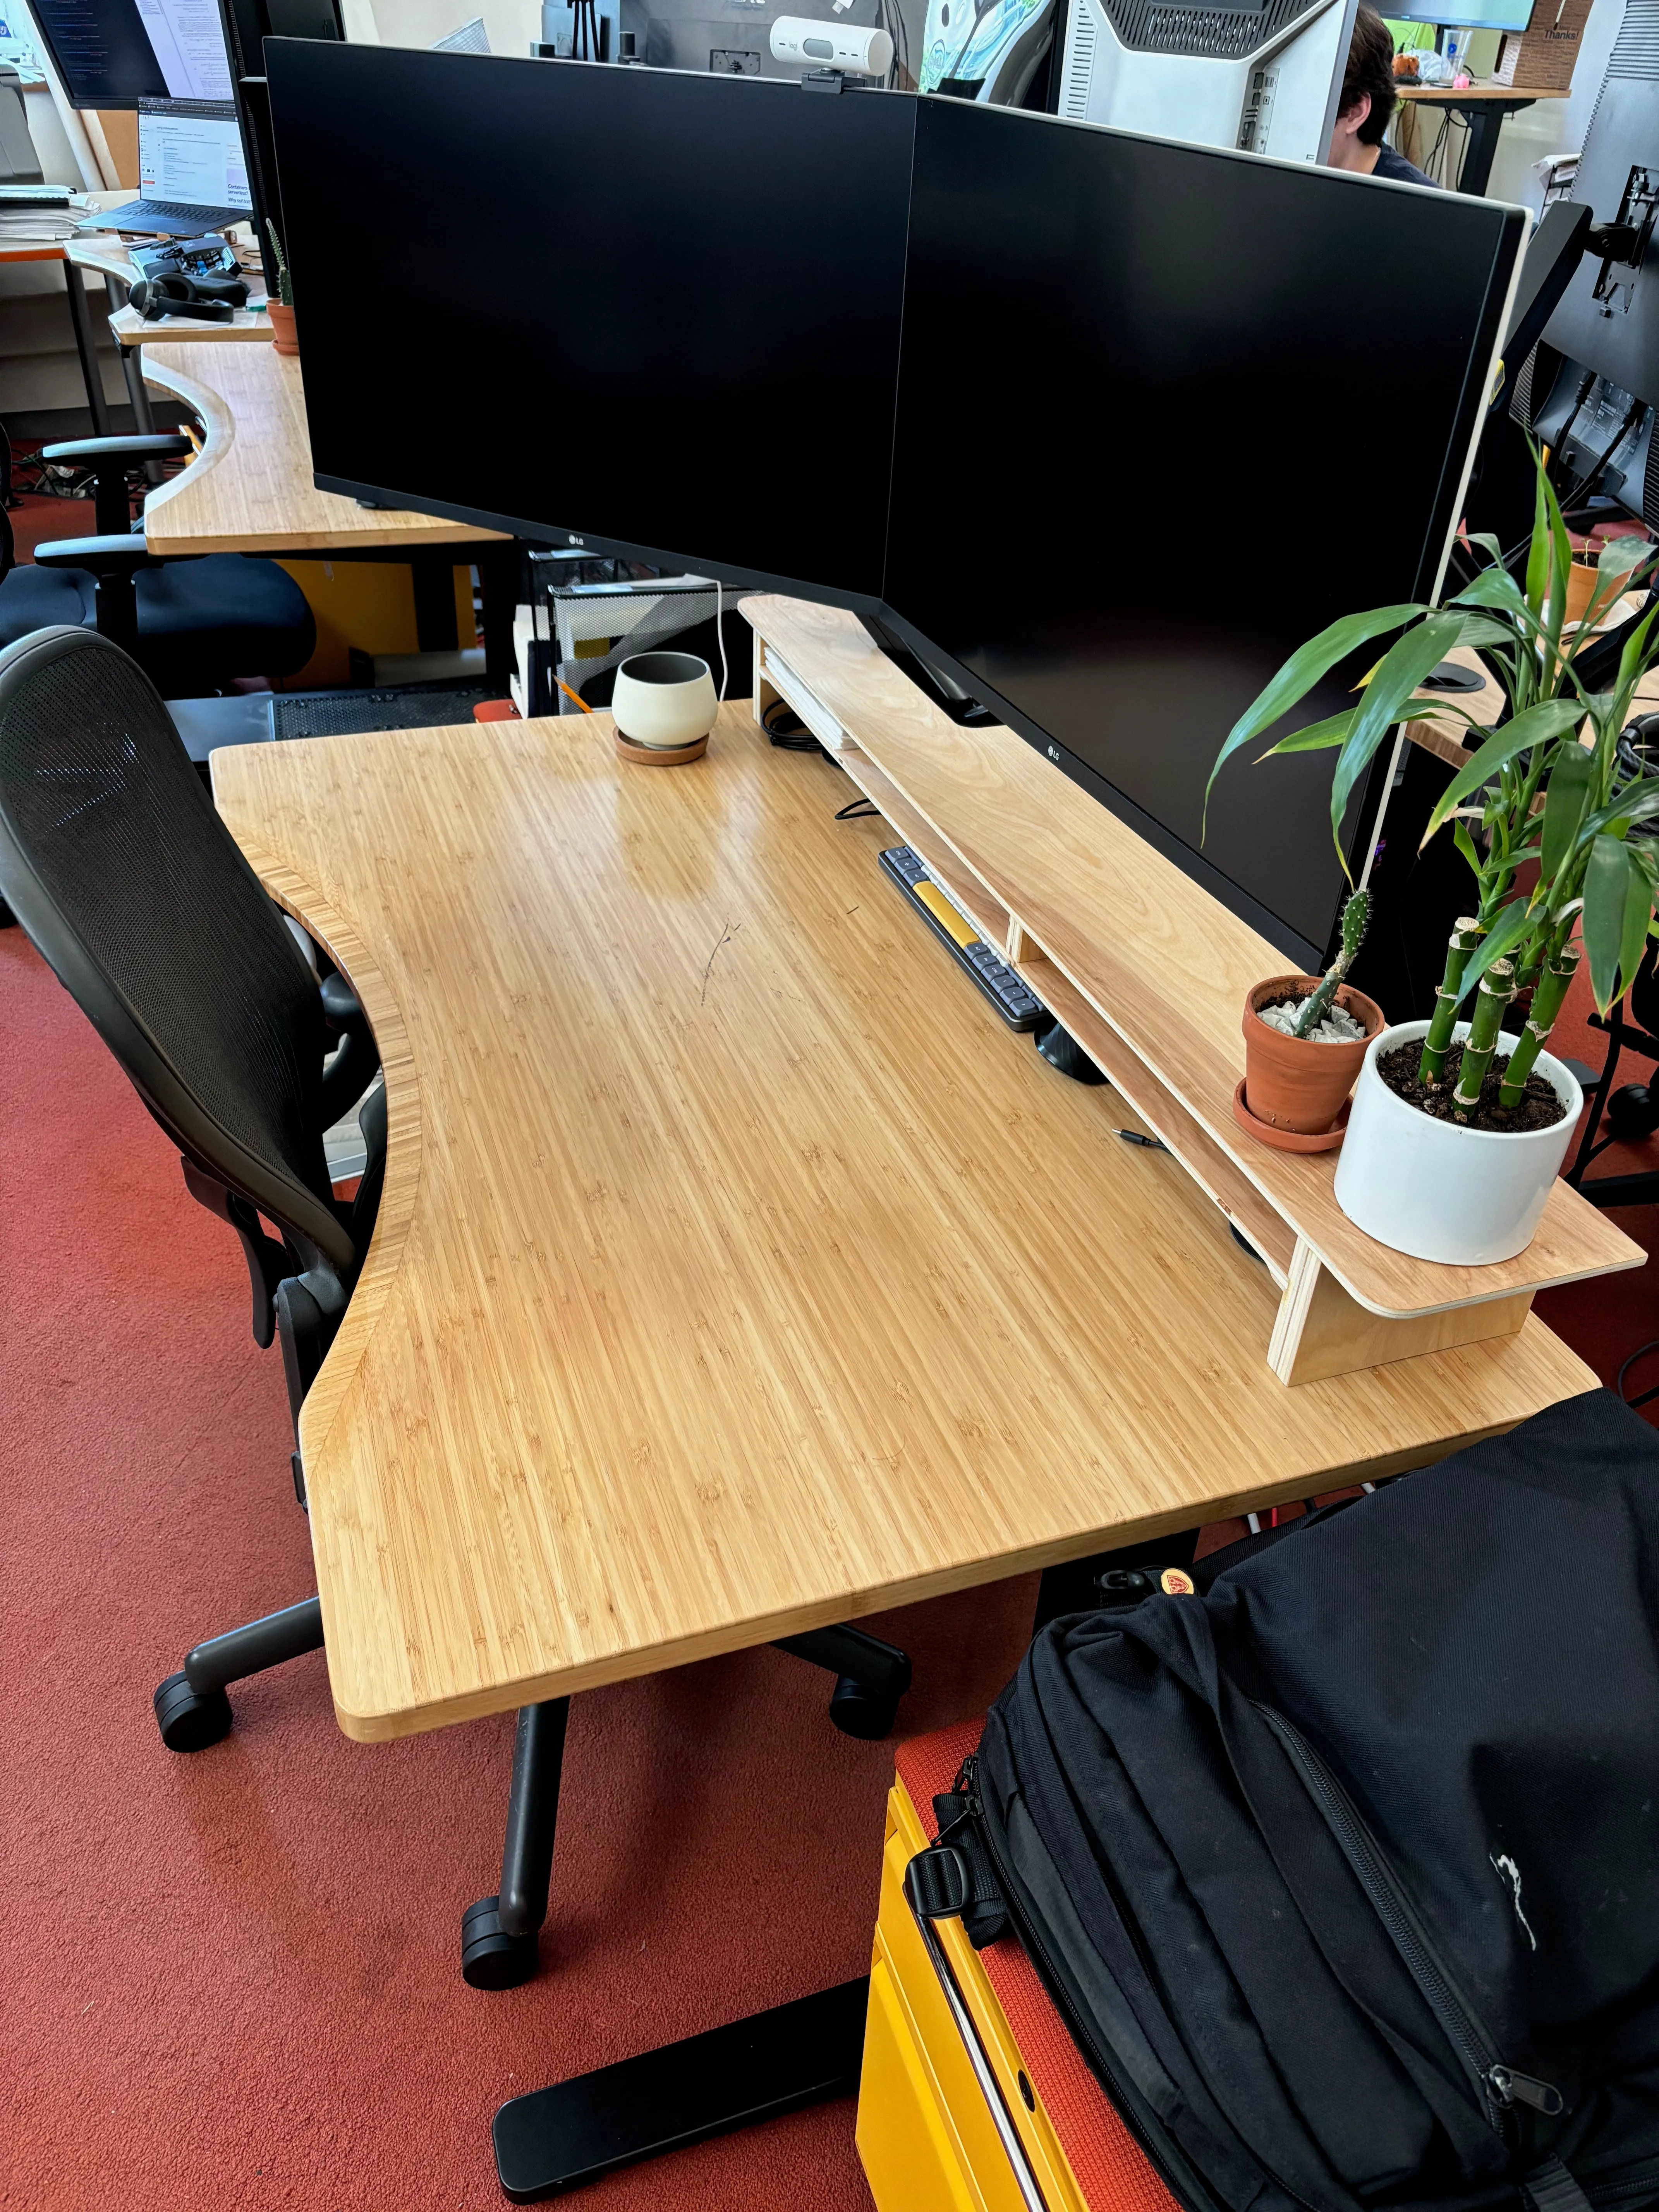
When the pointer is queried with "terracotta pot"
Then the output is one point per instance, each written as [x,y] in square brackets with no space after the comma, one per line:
[1295,1083]
[1582,579]
[282,327]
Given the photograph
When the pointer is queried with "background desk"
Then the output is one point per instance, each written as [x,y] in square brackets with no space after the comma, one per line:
[1483,108]
[250,489]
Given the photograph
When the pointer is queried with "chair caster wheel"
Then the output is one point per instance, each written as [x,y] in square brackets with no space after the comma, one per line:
[190,1720]
[862,1712]
[490,1958]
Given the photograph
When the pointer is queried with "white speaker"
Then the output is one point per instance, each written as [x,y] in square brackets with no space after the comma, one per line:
[809,45]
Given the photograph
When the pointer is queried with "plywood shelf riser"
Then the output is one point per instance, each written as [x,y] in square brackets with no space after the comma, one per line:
[1089,916]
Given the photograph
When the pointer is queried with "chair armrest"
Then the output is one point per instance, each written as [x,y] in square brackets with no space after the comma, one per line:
[351,1069]
[91,452]
[108,556]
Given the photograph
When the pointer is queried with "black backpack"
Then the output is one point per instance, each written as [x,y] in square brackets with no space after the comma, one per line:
[1343,1868]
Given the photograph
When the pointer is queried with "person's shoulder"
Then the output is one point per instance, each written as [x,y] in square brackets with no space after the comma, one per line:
[1397,170]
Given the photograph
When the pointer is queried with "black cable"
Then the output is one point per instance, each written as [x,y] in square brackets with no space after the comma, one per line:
[799,739]
[857,810]
[1640,1353]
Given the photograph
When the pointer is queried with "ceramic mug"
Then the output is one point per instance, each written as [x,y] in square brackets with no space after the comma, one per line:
[663,700]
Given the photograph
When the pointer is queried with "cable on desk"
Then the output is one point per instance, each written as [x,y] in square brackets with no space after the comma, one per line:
[796,739]
[857,810]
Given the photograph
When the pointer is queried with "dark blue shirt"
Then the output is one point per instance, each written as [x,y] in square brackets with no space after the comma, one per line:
[1397,170]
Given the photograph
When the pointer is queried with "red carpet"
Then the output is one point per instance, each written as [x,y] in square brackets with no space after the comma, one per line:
[229,1982]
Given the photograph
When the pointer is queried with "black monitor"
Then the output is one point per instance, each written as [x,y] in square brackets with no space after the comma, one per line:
[113,53]
[657,313]
[1103,426]
[1608,319]
[1165,413]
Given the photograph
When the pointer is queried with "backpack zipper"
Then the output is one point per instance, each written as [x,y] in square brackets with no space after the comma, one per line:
[1082,2034]
[1500,2087]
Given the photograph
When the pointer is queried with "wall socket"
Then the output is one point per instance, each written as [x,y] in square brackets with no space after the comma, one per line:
[734,61]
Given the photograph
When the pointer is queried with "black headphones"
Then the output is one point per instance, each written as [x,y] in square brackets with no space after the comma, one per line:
[203,299]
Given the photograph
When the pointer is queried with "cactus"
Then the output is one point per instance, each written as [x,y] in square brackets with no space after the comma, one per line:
[1356,917]
[284,282]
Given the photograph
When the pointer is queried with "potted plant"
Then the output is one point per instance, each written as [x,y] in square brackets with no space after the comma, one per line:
[1458,1128]
[1305,1038]
[280,306]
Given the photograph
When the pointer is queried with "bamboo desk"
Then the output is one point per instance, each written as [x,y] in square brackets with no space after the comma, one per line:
[736,1274]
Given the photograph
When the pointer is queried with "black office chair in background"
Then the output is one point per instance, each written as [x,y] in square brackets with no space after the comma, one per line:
[192,624]
[133,890]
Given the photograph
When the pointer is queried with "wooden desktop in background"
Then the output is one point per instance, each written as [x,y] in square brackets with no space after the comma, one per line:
[250,489]
[737,1273]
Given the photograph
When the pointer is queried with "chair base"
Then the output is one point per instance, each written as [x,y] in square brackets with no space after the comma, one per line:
[490,1958]
[188,1719]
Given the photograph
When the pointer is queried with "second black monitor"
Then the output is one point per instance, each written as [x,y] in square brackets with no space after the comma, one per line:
[651,310]
[113,53]
[1163,414]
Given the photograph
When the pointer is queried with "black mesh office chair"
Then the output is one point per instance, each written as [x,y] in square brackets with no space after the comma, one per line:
[192,624]
[116,864]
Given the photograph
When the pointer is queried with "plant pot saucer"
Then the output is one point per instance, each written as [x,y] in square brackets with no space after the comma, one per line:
[1289,1140]
[661,756]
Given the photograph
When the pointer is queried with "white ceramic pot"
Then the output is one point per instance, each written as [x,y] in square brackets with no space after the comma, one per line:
[1465,1197]
[663,699]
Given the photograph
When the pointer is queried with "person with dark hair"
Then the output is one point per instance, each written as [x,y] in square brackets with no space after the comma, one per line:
[1367,101]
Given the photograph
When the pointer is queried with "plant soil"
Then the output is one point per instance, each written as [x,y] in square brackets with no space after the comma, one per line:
[1539,1107]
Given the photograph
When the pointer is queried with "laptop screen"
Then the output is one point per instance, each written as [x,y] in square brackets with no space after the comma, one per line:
[190,154]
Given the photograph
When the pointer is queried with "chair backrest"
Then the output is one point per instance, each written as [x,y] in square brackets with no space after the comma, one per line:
[116,864]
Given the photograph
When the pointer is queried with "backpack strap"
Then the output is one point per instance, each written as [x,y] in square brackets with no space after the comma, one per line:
[1550,2188]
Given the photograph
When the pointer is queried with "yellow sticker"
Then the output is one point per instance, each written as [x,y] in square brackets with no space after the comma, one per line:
[1174,1582]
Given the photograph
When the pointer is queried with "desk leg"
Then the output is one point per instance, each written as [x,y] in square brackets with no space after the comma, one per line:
[755,2069]
[132,367]
[86,344]
[1486,119]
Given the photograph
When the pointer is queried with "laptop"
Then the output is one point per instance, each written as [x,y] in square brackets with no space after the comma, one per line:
[192,173]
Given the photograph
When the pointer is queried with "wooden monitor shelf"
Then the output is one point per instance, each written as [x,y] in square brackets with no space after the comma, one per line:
[1148,972]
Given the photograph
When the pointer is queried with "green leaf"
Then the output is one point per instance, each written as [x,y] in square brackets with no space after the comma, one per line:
[1316,738]
[1620,554]
[1496,587]
[1465,845]
[1402,668]
[1480,630]
[1538,553]
[1606,891]
[1637,802]
[1501,939]
[1304,668]
[1632,938]
[1573,778]
[1540,725]
[1487,544]
[1560,561]
[1632,664]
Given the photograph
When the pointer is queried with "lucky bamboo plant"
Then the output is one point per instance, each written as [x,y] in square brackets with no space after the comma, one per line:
[1546,785]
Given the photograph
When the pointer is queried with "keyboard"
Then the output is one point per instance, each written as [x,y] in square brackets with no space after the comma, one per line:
[166,215]
[1014,1002]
